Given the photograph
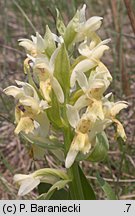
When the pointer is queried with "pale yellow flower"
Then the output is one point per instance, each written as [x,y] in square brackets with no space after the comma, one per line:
[92,59]
[93,89]
[111,109]
[28,182]
[44,68]
[86,128]
[38,45]
[85,27]
[35,46]
[29,108]
[81,141]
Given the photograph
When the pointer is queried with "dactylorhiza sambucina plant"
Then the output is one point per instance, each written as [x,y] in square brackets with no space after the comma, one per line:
[63,107]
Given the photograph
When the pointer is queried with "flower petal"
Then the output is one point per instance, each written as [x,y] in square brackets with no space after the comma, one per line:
[96,84]
[118,107]
[98,52]
[94,23]
[53,57]
[73,115]
[98,127]
[82,80]
[40,44]
[34,39]
[28,89]
[96,109]
[25,124]
[18,178]
[120,130]
[70,158]
[82,18]
[80,143]
[44,125]
[57,89]
[18,114]
[30,102]
[43,104]
[109,95]
[103,72]
[28,185]
[42,63]
[27,44]
[14,91]
[88,51]
[83,66]
[57,39]
[84,49]
[45,88]
[82,101]
[87,146]
[95,40]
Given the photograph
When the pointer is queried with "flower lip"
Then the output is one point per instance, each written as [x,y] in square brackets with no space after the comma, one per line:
[84,126]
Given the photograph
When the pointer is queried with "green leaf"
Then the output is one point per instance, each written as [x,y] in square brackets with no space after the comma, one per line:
[80,189]
[71,30]
[87,189]
[60,24]
[62,69]
[57,186]
[43,188]
[51,46]
[75,95]
[30,79]
[106,188]
[100,150]
[44,143]
[54,113]
[58,153]
[37,152]
[61,194]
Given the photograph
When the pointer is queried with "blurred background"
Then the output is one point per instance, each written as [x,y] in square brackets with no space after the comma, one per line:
[21,19]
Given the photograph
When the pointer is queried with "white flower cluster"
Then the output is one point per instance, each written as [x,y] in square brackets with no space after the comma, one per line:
[64,91]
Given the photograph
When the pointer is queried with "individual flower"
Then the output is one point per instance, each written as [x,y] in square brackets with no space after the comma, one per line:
[47,175]
[93,89]
[87,27]
[86,128]
[35,46]
[81,141]
[111,109]
[39,45]
[29,111]
[92,58]
[44,68]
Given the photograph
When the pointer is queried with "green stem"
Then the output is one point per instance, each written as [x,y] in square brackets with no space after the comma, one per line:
[67,139]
